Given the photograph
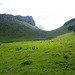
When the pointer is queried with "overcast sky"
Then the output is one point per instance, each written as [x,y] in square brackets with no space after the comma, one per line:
[48,14]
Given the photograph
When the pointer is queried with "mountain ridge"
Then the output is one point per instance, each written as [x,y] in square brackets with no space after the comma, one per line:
[16,30]
[69,21]
[28,19]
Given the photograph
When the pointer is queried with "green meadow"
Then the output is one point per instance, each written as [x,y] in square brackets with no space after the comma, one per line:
[44,57]
[28,50]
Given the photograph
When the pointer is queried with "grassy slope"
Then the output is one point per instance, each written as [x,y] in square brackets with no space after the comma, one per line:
[60,31]
[49,57]
[17,30]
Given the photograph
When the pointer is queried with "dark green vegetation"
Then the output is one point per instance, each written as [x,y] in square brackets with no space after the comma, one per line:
[74,29]
[17,30]
[46,52]
[48,57]
[66,28]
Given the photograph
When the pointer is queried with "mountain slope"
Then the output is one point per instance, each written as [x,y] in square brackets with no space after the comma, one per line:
[14,28]
[66,28]
[70,21]
[17,29]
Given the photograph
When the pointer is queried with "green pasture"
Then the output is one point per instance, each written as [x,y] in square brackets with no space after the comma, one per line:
[45,57]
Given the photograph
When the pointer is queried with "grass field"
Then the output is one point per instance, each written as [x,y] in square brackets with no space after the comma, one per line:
[46,57]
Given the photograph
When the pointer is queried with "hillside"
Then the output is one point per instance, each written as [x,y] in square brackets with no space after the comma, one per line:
[48,57]
[66,28]
[28,50]
[18,28]
[70,21]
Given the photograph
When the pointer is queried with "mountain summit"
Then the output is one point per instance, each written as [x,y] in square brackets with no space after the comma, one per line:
[28,19]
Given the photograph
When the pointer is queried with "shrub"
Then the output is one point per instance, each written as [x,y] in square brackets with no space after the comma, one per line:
[33,47]
[70,28]
[27,62]
[57,54]
[74,29]
[26,48]
[66,56]
[18,48]
[0,43]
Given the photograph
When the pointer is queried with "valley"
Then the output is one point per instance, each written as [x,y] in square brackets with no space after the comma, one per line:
[46,57]
[28,50]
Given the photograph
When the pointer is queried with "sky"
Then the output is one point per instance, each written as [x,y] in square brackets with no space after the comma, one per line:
[48,14]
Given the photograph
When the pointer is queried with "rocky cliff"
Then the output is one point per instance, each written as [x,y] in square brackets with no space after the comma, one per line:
[28,19]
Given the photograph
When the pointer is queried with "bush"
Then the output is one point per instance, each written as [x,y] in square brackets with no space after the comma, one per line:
[66,56]
[74,29]
[18,48]
[70,28]
[0,43]
[33,47]
[27,62]
[26,48]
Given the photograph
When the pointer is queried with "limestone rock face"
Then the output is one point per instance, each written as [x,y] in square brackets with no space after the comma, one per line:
[28,19]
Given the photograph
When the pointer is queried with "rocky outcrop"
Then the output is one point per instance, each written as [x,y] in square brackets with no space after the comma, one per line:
[28,19]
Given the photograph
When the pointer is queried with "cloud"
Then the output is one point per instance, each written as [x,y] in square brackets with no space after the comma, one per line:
[50,14]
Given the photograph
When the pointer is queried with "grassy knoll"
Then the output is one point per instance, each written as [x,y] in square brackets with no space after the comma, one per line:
[47,57]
